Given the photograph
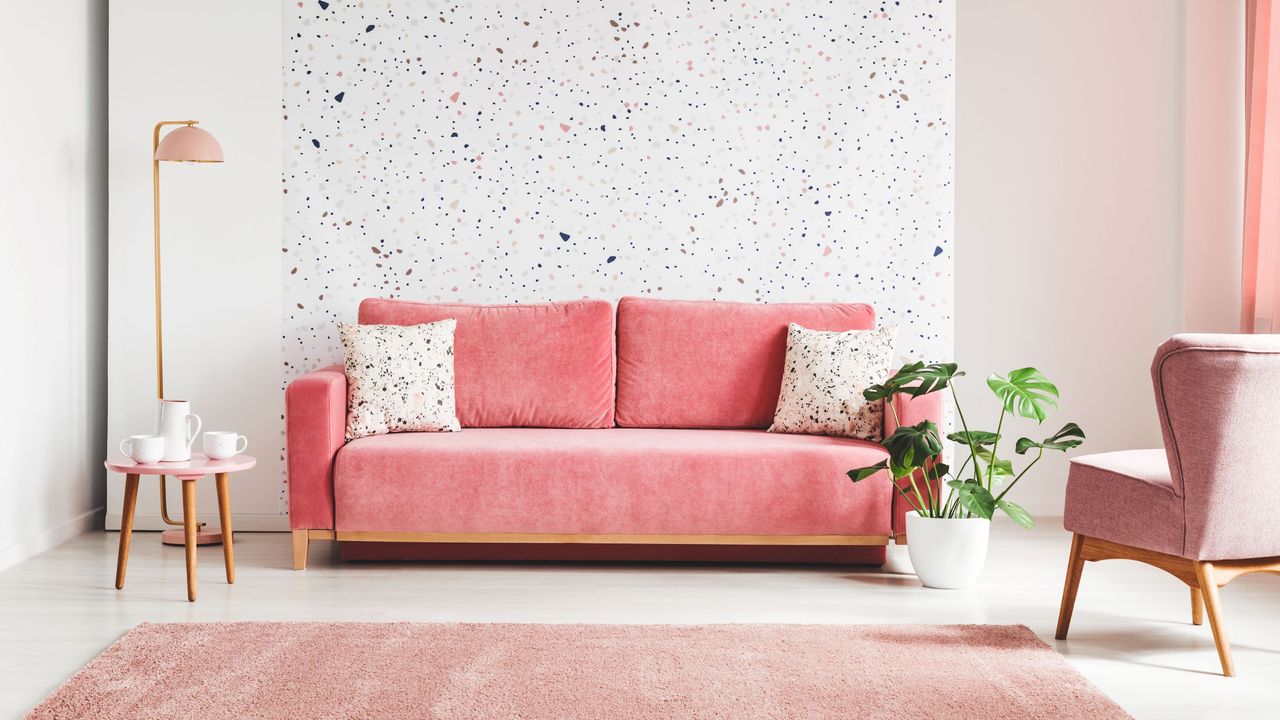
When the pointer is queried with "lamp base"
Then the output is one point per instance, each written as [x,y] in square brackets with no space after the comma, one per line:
[205,536]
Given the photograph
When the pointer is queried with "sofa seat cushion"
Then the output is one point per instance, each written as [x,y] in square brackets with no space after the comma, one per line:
[711,364]
[527,365]
[616,481]
[1126,497]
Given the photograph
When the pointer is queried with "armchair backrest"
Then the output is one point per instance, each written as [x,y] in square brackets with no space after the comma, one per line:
[1218,397]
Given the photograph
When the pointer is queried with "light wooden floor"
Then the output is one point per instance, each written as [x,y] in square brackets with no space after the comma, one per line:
[1131,635]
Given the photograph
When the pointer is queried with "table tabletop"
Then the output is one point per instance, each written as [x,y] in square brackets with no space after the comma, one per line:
[198,466]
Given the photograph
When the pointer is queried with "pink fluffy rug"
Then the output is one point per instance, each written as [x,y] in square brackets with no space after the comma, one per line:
[407,670]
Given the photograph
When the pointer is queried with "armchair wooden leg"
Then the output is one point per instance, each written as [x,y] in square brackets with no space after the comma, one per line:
[1075,565]
[1197,607]
[301,540]
[1209,590]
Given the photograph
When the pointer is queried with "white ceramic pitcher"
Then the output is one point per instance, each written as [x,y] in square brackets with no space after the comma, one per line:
[174,422]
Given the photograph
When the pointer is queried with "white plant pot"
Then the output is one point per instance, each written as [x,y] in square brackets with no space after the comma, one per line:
[947,553]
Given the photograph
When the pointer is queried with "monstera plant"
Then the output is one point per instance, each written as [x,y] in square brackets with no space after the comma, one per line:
[980,484]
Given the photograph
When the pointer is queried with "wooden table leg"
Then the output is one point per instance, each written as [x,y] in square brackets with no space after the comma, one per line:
[126,526]
[191,526]
[224,515]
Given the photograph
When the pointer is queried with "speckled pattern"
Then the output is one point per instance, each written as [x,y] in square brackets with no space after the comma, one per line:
[517,151]
[823,379]
[399,378]
[212,671]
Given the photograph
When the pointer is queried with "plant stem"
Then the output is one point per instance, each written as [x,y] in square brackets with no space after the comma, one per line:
[960,473]
[935,490]
[991,474]
[914,488]
[929,486]
[910,501]
[973,451]
[1030,465]
[893,410]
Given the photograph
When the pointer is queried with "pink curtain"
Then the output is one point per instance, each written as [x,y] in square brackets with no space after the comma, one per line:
[1260,282]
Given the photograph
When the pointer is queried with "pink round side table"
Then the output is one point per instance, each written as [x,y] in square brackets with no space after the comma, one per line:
[188,472]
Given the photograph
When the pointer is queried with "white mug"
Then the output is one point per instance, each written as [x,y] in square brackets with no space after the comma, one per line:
[174,423]
[143,449]
[220,445]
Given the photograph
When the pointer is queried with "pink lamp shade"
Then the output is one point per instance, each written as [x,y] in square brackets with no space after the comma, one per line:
[189,144]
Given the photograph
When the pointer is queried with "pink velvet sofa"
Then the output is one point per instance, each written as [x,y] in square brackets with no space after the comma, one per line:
[590,429]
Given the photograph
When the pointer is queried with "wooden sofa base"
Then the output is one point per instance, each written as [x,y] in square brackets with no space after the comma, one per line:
[303,537]
[1203,577]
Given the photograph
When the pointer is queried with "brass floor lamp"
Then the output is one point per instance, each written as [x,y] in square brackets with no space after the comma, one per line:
[184,144]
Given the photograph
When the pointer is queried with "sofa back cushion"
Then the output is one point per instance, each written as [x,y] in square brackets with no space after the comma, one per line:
[535,365]
[712,364]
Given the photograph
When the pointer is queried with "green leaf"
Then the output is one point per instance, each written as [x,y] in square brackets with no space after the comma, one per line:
[894,384]
[997,467]
[911,446]
[978,438]
[1068,437]
[930,378]
[975,498]
[878,392]
[915,379]
[1019,515]
[862,473]
[901,471]
[1026,393]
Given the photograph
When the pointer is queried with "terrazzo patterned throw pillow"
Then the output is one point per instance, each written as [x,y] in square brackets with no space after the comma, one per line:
[399,378]
[823,379]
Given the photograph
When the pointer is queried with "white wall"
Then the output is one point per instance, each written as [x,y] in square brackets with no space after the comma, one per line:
[218,63]
[1213,165]
[1073,201]
[52,272]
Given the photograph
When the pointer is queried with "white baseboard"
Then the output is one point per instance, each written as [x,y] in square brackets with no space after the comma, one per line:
[245,522]
[50,538]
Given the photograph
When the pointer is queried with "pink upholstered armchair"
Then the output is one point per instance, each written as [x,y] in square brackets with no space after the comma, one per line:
[1203,508]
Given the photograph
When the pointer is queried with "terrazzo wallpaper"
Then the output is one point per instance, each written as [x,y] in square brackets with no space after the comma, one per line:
[515,151]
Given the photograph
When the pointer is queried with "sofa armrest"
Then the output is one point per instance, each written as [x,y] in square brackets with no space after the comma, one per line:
[315,429]
[910,411]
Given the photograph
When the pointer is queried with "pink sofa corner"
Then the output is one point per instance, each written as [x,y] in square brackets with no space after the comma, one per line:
[586,427]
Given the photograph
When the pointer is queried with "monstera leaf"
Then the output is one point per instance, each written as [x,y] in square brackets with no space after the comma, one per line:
[930,378]
[997,468]
[1015,511]
[1026,393]
[976,438]
[862,473]
[974,497]
[915,379]
[1068,437]
[911,446]
[892,386]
